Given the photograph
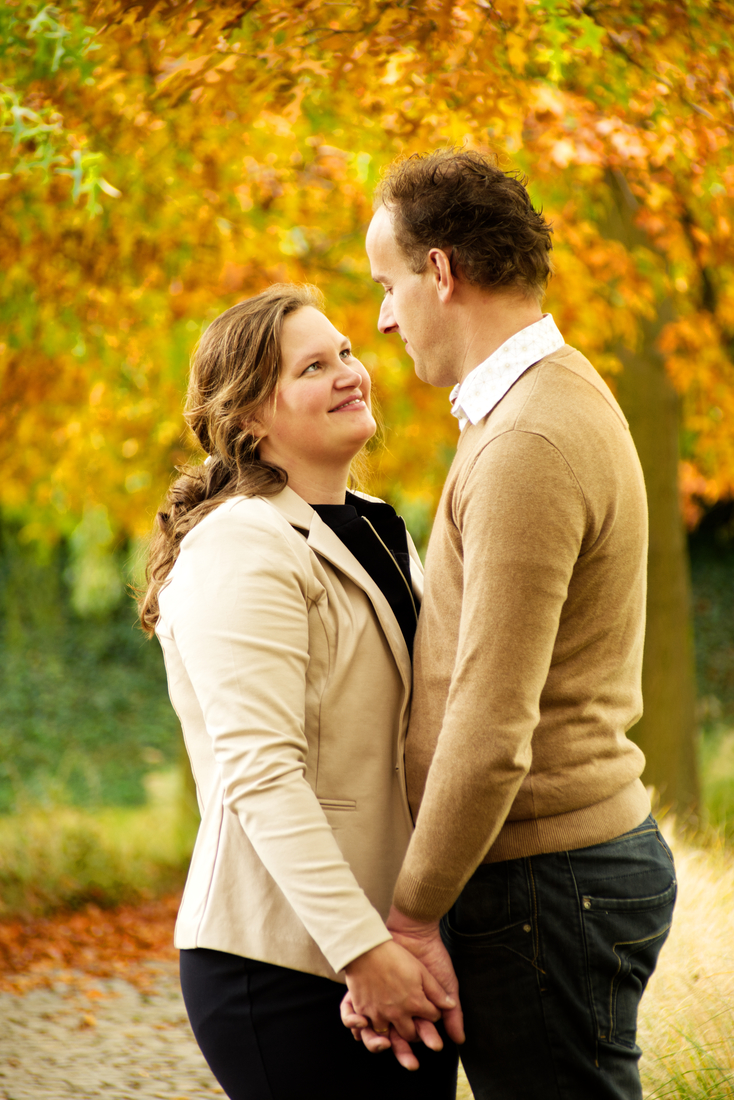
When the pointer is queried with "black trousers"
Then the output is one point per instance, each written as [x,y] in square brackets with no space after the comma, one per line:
[270,1033]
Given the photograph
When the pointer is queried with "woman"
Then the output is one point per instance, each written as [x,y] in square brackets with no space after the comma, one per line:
[285,608]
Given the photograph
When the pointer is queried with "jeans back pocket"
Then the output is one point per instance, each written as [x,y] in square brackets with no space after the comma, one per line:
[623,940]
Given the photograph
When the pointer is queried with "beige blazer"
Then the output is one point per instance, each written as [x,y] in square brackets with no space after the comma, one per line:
[291,679]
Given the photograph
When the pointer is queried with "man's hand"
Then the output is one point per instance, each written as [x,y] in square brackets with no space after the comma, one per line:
[423,939]
[388,987]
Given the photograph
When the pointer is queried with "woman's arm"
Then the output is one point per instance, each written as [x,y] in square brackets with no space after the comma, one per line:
[238,613]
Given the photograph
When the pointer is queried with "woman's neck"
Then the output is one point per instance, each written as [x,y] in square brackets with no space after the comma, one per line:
[319,487]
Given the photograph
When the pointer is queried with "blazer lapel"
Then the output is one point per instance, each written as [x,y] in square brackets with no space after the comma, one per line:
[326,544]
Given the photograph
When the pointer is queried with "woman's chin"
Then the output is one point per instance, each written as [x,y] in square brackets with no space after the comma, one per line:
[364,437]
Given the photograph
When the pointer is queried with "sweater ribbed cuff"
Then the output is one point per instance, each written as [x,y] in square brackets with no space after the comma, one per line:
[422,900]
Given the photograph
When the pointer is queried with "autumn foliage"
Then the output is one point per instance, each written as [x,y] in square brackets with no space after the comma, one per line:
[163,159]
[104,943]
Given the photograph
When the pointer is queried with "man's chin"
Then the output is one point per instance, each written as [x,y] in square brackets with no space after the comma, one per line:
[419,367]
[433,374]
[424,372]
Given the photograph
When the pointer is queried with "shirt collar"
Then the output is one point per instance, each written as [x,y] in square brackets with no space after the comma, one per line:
[486,385]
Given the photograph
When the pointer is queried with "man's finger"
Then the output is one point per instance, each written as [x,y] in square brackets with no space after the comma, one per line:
[436,992]
[428,1035]
[402,1051]
[453,1021]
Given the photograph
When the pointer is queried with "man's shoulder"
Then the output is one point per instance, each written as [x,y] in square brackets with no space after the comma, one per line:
[564,389]
[560,397]
[560,412]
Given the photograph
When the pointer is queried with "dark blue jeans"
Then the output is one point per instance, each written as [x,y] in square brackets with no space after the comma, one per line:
[553,954]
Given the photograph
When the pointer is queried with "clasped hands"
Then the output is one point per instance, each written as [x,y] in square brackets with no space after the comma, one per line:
[398,990]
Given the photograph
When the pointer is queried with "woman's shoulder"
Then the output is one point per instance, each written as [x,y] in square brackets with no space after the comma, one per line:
[244,540]
[252,522]
[241,511]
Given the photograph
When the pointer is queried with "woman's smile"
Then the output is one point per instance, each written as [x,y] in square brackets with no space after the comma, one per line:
[350,403]
[319,376]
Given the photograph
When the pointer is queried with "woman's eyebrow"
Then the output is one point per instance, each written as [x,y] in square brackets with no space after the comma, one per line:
[311,356]
[321,353]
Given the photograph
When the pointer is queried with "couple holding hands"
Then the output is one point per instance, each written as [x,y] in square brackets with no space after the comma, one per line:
[422,791]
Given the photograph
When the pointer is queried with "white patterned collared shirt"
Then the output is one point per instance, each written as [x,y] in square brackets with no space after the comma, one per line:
[486,385]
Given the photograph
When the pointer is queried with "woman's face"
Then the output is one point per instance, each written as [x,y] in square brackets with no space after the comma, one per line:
[321,416]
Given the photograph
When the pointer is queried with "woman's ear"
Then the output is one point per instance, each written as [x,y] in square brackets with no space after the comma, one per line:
[255,426]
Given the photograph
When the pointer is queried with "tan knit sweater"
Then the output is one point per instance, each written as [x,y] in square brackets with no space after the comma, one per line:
[529,647]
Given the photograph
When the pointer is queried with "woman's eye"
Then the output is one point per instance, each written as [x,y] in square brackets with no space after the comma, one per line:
[312,367]
[346,353]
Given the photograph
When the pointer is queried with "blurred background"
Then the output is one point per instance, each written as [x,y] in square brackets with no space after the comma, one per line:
[161,161]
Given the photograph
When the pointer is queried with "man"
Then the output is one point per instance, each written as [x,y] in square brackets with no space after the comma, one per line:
[533,843]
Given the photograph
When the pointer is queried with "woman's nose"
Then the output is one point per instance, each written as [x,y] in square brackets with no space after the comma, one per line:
[349,376]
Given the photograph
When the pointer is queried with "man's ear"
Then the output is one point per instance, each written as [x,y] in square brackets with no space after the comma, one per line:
[440,267]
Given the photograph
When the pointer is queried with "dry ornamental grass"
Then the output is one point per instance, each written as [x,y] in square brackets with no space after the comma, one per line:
[687,1016]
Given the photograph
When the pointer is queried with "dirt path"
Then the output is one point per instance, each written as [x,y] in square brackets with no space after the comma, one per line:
[83,1038]
[90,1006]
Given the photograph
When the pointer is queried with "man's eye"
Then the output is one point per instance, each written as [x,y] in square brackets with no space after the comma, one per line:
[347,352]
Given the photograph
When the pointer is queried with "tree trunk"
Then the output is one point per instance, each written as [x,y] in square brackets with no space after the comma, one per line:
[667,730]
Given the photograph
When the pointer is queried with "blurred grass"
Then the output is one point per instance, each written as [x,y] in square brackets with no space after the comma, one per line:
[687,1015]
[712,582]
[64,857]
[717,779]
[85,711]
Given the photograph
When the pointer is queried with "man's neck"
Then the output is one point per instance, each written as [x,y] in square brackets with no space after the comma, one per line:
[491,319]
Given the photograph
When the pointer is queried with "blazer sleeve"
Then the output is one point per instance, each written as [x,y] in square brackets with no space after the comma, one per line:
[241,627]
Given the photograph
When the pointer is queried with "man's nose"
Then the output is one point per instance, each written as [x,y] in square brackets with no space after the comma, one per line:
[386,322]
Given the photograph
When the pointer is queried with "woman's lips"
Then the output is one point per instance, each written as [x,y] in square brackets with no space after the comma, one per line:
[352,403]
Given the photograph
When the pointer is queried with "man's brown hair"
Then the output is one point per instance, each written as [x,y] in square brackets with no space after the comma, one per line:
[461,202]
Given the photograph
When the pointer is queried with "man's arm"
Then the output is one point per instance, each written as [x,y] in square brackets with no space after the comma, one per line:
[522,516]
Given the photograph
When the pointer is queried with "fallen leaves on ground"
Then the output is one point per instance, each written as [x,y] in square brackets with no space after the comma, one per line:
[125,942]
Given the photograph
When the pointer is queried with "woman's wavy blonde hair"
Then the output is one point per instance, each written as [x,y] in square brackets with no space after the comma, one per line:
[234,372]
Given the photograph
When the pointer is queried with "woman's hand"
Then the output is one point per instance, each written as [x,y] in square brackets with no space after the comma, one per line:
[392,1000]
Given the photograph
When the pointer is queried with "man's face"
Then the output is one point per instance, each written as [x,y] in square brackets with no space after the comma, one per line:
[411,306]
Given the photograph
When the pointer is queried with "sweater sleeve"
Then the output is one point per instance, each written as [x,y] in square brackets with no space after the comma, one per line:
[242,632]
[520,517]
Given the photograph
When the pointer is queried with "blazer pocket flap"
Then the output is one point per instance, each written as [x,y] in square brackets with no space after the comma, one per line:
[338,803]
